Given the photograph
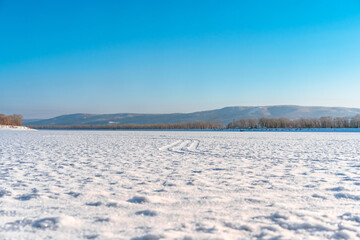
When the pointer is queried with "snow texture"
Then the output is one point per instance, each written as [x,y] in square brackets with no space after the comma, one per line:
[9,127]
[179,185]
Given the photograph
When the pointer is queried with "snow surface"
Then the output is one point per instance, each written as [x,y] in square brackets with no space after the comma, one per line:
[9,127]
[179,185]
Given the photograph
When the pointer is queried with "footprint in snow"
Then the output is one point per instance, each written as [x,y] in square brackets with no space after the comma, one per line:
[237,227]
[73,194]
[148,237]
[138,200]
[147,213]
[336,189]
[347,196]
[318,196]
[112,204]
[101,220]
[93,204]
[94,236]
[202,228]
[27,197]
[46,223]
[4,192]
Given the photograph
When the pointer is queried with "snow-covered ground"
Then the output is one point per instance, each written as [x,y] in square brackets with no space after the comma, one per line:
[9,127]
[179,185]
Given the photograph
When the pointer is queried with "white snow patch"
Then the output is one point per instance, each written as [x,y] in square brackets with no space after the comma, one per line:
[9,127]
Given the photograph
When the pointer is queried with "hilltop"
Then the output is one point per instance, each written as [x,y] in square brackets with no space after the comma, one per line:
[226,115]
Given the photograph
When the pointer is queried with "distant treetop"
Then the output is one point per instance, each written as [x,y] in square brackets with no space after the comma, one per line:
[13,120]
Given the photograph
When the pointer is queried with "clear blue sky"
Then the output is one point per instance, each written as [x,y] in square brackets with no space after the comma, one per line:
[59,57]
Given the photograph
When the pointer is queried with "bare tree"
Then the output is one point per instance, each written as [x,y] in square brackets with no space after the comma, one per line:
[13,120]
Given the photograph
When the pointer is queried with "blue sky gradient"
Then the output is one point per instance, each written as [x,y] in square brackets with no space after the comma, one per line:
[59,57]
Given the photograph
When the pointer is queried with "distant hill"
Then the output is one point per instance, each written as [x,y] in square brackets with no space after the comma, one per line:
[225,115]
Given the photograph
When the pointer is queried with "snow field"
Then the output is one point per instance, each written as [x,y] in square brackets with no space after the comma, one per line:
[179,185]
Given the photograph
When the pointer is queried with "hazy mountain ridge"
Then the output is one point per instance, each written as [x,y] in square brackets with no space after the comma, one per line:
[225,115]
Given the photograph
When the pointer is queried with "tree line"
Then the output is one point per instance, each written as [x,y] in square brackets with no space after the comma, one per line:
[13,120]
[323,122]
[169,126]
[265,123]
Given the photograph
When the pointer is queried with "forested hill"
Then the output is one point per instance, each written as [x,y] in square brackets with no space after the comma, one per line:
[226,115]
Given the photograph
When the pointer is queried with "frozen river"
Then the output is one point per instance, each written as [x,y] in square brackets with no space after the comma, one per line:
[179,185]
